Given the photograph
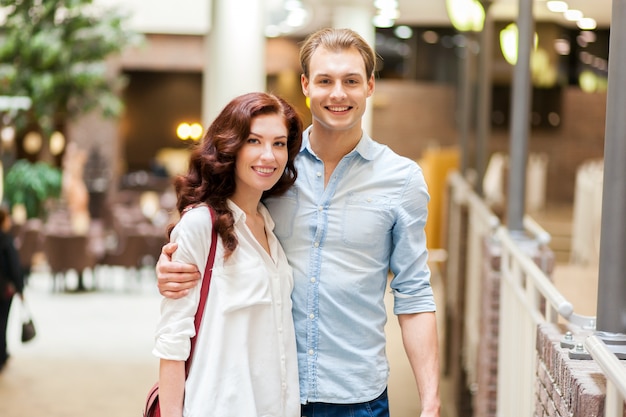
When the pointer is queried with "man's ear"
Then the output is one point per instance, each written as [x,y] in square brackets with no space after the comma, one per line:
[370,86]
[304,83]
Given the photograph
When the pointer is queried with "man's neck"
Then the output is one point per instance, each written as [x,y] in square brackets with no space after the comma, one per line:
[331,146]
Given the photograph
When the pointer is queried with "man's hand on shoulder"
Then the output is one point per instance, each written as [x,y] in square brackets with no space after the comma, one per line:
[174,279]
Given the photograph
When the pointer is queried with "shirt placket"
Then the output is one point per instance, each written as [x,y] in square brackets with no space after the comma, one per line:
[321,199]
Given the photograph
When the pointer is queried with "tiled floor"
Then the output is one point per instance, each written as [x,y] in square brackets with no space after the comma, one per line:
[91,356]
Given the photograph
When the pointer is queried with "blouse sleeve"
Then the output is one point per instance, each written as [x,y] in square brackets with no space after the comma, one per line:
[176,325]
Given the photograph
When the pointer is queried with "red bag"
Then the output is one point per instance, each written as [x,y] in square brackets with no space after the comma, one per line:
[152,403]
[152,408]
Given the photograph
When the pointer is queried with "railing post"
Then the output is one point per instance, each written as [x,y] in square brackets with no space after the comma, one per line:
[611,310]
[520,120]
[484,83]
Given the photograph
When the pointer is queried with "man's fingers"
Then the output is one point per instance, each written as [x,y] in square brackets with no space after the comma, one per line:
[175,294]
[168,249]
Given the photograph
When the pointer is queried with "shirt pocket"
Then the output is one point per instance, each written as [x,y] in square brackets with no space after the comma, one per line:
[365,220]
[283,211]
[242,285]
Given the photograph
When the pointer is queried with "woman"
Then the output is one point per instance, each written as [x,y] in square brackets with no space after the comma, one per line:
[11,279]
[244,360]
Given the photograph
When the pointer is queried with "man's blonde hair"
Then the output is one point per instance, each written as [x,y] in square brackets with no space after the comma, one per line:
[337,40]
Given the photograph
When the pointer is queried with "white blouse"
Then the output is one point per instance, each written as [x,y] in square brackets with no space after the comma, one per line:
[245,362]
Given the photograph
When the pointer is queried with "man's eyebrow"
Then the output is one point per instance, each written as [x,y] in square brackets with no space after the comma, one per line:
[351,74]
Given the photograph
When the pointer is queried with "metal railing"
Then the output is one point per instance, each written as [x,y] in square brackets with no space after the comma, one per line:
[482,224]
[615,373]
[527,298]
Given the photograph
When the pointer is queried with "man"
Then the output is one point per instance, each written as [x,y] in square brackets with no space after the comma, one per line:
[356,212]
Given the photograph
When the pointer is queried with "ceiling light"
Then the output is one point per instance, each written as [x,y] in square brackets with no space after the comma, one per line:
[573,15]
[587,23]
[557,6]
[466,15]
[430,37]
[403,32]
[509,42]
[385,4]
[562,46]
[381,21]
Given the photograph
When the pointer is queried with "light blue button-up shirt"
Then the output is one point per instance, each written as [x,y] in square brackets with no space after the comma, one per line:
[341,241]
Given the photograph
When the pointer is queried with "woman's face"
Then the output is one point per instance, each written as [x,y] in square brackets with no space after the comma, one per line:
[261,161]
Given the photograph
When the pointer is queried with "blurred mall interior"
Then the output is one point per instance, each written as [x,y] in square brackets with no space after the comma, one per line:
[191,55]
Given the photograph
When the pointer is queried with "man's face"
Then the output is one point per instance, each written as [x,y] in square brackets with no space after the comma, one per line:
[337,88]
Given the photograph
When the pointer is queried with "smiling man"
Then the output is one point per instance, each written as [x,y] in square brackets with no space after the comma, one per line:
[356,212]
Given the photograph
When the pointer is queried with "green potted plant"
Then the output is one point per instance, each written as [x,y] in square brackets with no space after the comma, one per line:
[55,52]
[32,185]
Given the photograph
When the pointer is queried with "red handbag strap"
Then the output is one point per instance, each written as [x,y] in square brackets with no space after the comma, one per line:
[204,291]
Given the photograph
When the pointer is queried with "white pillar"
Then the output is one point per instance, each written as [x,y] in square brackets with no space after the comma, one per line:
[359,19]
[236,54]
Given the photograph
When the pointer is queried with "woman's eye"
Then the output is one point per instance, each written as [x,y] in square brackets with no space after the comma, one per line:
[280,144]
[253,140]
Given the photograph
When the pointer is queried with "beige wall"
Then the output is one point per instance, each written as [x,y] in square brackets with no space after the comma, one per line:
[412,116]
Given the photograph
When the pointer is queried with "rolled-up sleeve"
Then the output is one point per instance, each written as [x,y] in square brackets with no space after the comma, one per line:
[409,256]
[176,324]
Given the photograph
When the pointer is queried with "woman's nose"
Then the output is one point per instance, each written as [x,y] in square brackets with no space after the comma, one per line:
[268,153]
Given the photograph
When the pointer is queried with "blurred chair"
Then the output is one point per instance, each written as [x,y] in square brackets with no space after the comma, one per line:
[134,250]
[29,241]
[66,252]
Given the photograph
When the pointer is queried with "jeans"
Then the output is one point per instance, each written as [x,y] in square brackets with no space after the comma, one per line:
[378,407]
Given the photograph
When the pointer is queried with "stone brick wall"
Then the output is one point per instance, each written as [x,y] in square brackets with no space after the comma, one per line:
[566,387]
[485,399]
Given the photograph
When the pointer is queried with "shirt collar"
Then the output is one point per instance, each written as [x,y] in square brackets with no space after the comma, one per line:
[363,148]
[240,216]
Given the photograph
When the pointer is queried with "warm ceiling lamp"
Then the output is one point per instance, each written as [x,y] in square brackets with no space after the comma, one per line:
[186,131]
[466,15]
[508,43]
[32,142]
[57,143]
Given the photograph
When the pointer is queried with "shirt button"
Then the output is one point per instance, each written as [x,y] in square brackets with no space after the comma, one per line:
[311,316]
[316,244]
[313,279]
[320,208]
[311,352]
[319,174]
